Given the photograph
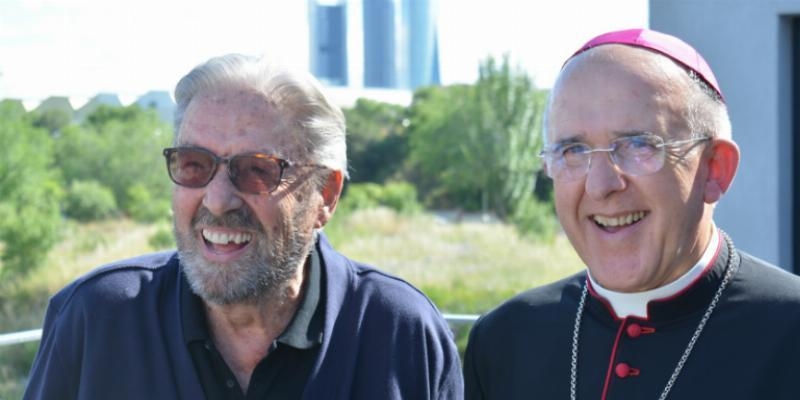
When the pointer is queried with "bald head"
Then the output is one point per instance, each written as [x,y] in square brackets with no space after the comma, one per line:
[665,84]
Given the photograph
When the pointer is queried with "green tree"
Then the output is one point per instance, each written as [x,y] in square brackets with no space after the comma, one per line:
[29,194]
[506,137]
[481,141]
[12,108]
[54,120]
[437,124]
[118,147]
[376,144]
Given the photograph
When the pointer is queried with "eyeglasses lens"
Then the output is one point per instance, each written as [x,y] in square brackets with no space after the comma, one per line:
[191,168]
[249,173]
[639,155]
[255,173]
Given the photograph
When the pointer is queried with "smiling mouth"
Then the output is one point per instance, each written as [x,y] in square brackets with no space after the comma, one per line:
[618,222]
[226,239]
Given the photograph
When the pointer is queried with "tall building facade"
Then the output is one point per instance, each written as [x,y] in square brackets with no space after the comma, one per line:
[328,23]
[422,45]
[374,43]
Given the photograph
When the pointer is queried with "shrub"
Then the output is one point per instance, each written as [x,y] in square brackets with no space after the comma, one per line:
[120,147]
[162,239]
[30,194]
[89,201]
[536,219]
[399,196]
[358,196]
[142,206]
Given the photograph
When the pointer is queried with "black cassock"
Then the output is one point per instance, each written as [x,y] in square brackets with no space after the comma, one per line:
[749,348]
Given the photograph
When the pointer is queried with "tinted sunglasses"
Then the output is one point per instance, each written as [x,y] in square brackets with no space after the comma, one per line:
[255,173]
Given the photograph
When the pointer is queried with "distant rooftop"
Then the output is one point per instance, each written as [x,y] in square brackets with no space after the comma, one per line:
[163,103]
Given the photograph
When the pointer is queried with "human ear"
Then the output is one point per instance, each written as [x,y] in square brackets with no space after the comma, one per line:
[330,197]
[722,165]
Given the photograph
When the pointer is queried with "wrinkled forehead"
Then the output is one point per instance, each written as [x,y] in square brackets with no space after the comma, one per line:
[617,88]
[238,113]
[244,100]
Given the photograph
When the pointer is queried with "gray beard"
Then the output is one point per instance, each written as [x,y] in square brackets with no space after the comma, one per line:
[263,272]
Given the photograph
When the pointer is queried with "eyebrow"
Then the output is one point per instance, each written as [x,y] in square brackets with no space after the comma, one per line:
[263,151]
[565,141]
[580,137]
[630,133]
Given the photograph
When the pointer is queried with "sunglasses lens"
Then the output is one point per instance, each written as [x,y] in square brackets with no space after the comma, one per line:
[191,167]
[255,173]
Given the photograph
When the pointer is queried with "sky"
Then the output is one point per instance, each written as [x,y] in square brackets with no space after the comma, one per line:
[79,48]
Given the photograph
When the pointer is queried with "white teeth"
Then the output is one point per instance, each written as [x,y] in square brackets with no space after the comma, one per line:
[226,238]
[619,221]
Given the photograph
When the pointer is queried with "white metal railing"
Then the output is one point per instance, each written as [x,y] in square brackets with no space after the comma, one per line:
[20,337]
[461,319]
[36,334]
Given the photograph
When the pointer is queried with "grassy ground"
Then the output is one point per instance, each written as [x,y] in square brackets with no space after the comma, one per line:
[466,267]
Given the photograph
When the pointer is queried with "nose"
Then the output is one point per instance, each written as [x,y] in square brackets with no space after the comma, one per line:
[220,194]
[604,176]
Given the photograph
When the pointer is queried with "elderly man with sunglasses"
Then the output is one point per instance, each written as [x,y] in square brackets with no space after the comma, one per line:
[255,303]
[638,144]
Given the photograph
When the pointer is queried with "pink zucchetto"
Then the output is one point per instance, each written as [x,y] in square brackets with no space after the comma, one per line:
[670,46]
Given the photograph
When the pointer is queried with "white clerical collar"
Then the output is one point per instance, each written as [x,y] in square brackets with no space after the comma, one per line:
[635,304]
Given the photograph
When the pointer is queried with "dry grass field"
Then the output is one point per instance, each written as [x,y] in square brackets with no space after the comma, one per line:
[465,267]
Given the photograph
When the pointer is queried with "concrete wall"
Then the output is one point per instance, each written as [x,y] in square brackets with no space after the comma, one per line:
[748,44]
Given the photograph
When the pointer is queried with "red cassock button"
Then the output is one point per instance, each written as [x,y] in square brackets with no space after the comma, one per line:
[634,330]
[624,370]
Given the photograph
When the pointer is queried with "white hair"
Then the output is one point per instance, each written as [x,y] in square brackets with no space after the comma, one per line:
[317,125]
[707,113]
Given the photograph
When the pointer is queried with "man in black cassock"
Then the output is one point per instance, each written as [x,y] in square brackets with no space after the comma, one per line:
[638,144]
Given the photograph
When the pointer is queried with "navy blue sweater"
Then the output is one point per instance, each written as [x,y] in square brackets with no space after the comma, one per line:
[116,333]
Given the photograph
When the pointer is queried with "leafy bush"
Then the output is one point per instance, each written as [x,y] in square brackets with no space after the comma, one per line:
[536,219]
[29,194]
[162,239]
[376,143]
[89,201]
[142,206]
[120,147]
[399,196]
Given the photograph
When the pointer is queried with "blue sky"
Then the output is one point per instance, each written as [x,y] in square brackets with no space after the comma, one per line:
[79,48]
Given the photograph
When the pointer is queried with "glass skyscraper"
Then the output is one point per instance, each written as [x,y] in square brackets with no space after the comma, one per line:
[329,42]
[392,43]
